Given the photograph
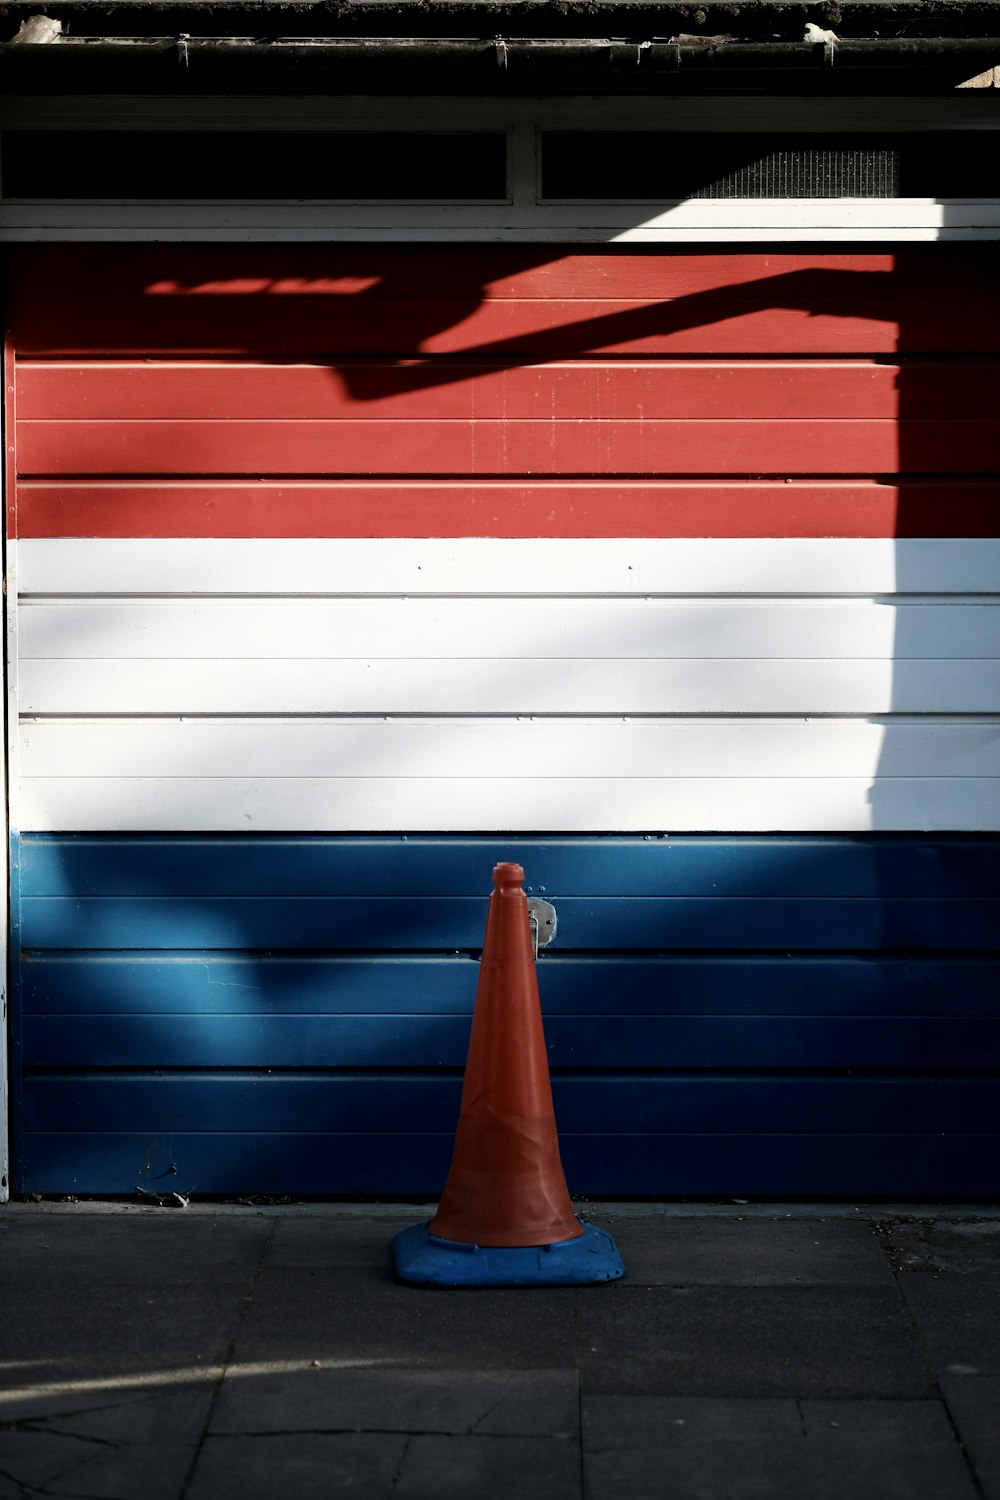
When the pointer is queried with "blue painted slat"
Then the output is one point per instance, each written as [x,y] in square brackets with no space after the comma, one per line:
[428,923]
[786,1103]
[956,1167]
[691,865]
[772,954]
[706,983]
[622,1041]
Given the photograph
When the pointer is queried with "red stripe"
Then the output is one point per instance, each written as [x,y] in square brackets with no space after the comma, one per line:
[504,448]
[480,405]
[516,330]
[392,272]
[450,390]
[314,302]
[274,509]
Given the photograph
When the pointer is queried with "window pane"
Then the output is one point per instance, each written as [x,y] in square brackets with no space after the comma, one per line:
[301,165]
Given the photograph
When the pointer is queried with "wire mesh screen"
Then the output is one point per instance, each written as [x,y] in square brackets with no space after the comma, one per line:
[854,172]
[665,166]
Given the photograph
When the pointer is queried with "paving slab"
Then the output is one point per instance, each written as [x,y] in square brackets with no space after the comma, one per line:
[736,1341]
[306,1466]
[751,1352]
[361,1319]
[364,1243]
[35,1460]
[115,1474]
[503,1403]
[109,1306]
[751,1449]
[466,1468]
[959,1247]
[959,1318]
[66,1343]
[974,1404]
[166,1247]
[886,1450]
[143,1445]
[750,1252]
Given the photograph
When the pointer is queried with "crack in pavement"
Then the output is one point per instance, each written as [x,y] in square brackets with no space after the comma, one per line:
[399,1466]
[487,1413]
[227,1358]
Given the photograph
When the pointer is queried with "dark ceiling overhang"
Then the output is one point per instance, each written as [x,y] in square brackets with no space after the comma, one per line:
[502,47]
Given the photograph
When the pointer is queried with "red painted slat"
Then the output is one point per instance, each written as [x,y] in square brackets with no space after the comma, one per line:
[450,508]
[315,300]
[449,389]
[491,412]
[391,272]
[514,447]
[523,329]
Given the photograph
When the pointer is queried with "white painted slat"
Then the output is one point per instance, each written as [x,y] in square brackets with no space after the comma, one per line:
[47,223]
[507,749]
[725,221]
[703,214]
[543,686]
[562,628]
[88,566]
[452,804]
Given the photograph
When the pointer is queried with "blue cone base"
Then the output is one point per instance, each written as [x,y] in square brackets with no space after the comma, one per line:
[424,1260]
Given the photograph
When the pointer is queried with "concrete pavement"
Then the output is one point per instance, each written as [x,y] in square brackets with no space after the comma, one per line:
[753,1352]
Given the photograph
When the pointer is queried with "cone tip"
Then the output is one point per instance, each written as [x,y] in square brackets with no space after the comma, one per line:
[507,875]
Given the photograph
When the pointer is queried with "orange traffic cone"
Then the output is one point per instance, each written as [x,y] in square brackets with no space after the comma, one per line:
[506,1199]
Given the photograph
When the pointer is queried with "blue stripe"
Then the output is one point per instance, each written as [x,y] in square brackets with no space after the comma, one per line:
[712,984]
[883,1166]
[299,1006]
[612,1041]
[735,1103]
[432,923]
[886,865]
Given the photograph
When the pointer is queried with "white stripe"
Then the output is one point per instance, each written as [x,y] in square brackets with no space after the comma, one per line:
[725,221]
[463,628]
[314,749]
[143,631]
[476,565]
[541,685]
[576,805]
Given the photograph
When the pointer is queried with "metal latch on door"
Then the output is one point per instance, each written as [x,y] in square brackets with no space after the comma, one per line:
[543,922]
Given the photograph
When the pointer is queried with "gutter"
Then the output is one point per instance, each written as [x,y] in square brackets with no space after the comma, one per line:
[504,53]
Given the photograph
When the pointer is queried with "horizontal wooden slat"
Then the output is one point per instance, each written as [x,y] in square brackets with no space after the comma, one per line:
[491,508]
[464,748]
[906,865]
[529,685]
[689,1104]
[613,1041]
[707,324]
[788,316]
[460,629]
[889,1166]
[707,984]
[635,446]
[489,300]
[310,274]
[428,923]
[394,391]
[761,1166]
[577,805]
[488,565]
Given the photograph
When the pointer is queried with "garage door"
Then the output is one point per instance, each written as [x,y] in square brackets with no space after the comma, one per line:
[337,575]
